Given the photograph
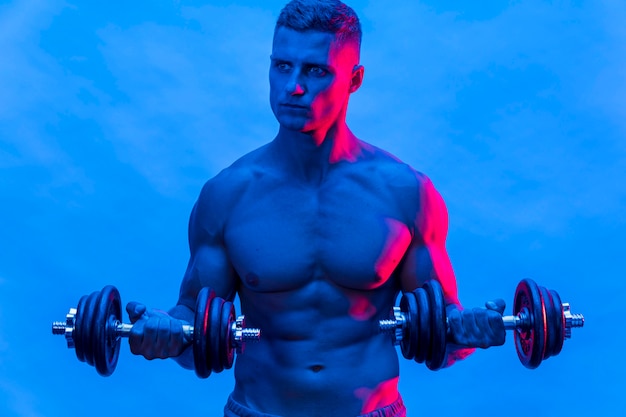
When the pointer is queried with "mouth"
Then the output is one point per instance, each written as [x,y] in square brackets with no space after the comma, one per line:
[294,106]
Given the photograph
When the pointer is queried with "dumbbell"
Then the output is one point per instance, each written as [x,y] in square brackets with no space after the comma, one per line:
[540,322]
[94,329]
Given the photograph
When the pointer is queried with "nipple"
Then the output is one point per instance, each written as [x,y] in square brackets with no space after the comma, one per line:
[252,279]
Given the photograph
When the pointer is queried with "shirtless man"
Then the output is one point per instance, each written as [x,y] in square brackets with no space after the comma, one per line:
[318,232]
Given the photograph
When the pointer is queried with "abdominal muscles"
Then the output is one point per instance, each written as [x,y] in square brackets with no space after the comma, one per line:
[320,352]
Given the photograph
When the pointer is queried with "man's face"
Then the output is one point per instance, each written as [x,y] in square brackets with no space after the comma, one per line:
[311,78]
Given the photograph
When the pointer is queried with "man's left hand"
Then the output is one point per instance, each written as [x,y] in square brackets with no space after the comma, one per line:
[478,327]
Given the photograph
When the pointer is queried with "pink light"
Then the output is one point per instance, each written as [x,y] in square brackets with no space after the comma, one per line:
[380,396]
[361,309]
[398,240]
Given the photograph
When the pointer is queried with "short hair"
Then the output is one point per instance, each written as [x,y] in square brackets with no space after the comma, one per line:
[331,16]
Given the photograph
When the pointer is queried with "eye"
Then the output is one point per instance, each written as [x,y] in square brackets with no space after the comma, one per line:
[282,66]
[317,71]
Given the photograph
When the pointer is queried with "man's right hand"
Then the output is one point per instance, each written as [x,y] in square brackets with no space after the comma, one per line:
[155,334]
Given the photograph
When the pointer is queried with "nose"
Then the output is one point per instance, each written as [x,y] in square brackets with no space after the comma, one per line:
[295,87]
[297,90]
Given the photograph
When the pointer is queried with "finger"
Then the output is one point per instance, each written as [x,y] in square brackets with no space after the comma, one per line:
[478,328]
[496,305]
[457,328]
[163,338]
[150,338]
[496,324]
[135,339]
[497,330]
[177,338]
[135,311]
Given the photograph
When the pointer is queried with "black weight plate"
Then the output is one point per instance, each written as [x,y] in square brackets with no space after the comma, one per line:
[408,306]
[549,321]
[227,352]
[105,340]
[529,342]
[77,334]
[215,338]
[559,329]
[200,332]
[87,327]
[438,325]
[422,350]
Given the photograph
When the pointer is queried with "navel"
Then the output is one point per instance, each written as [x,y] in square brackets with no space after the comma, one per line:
[316,368]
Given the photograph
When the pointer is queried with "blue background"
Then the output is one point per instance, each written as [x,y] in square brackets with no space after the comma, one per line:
[113,114]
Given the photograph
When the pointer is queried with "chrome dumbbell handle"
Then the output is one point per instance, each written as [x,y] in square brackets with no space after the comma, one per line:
[521,321]
[238,333]
[123,330]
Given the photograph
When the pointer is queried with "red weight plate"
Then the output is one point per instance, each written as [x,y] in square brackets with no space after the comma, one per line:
[77,333]
[201,360]
[438,325]
[408,306]
[105,340]
[559,329]
[530,341]
[227,351]
[424,327]
[87,326]
[549,321]
[215,340]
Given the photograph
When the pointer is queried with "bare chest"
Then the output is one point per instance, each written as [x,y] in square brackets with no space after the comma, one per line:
[282,237]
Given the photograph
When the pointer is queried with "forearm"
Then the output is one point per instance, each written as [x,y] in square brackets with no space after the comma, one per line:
[184,313]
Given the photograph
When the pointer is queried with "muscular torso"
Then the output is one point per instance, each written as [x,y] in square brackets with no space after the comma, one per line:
[316,267]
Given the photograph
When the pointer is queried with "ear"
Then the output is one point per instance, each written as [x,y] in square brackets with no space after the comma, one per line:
[357,78]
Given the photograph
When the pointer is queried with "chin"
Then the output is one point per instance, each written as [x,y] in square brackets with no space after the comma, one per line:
[289,123]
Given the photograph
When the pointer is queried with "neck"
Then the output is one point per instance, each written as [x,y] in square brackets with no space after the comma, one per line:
[310,156]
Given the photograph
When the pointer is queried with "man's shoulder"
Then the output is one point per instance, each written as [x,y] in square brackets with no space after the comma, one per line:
[395,172]
[225,187]
[414,194]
